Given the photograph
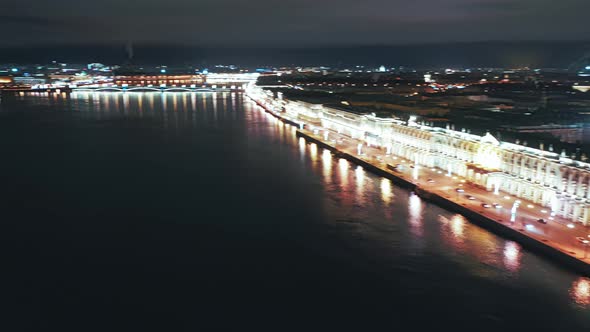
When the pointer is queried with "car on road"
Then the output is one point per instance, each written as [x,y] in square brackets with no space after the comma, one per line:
[497,206]
[541,221]
[582,240]
[471,198]
[460,190]
[430,180]
[485,205]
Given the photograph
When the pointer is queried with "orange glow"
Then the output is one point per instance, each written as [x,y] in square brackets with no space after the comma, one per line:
[343,165]
[360,176]
[327,166]
[580,291]
[512,254]
[313,148]
[458,226]
[386,190]
[415,213]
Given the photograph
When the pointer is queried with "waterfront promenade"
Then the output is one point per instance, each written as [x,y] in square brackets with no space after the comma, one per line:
[557,237]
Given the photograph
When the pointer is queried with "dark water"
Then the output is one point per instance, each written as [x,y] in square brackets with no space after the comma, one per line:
[183,212]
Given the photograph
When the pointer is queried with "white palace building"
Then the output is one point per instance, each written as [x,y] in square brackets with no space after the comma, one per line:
[546,178]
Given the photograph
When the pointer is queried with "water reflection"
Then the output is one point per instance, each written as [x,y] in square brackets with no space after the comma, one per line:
[477,247]
[151,101]
[302,147]
[386,193]
[140,106]
[415,214]
[327,166]
[313,151]
[458,227]
[175,102]
[359,173]
[580,292]
[512,254]
[453,230]
[343,167]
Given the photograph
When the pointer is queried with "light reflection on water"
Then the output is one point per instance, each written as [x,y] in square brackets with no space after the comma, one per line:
[442,231]
[344,173]
[415,214]
[580,292]
[386,193]
[512,255]
[313,151]
[327,166]
[359,174]
[455,230]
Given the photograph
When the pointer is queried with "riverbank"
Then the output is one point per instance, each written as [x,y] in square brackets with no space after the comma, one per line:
[552,246]
[502,227]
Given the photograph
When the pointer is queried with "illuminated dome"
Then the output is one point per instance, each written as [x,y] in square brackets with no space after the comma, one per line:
[488,138]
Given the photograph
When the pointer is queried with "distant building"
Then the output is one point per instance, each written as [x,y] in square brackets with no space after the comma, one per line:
[220,78]
[559,183]
[573,133]
[159,80]
[27,80]
[5,79]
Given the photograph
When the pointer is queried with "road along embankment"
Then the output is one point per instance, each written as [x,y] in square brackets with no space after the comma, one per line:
[520,236]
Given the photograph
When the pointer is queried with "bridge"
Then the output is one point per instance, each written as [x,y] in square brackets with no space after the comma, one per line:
[114,88]
[157,89]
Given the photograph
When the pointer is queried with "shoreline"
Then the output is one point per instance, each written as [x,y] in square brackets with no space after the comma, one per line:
[497,226]
[556,254]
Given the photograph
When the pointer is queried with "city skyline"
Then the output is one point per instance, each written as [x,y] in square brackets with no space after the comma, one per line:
[295,165]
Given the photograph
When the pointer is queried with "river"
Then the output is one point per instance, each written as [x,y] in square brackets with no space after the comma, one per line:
[182,211]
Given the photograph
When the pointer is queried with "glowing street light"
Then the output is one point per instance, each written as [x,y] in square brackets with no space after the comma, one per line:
[359,148]
[415,172]
[513,210]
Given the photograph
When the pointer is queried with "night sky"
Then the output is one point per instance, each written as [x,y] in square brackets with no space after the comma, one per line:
[289,22]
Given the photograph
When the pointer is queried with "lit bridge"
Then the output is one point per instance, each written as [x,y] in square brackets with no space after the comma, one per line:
[233,88]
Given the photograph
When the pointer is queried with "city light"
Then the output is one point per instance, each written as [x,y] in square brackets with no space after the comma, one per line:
[580,291]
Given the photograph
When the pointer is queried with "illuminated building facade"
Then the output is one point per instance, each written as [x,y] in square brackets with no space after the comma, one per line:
[545,178]
[159,80]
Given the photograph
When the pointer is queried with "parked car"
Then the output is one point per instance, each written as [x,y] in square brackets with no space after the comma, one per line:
[542,221]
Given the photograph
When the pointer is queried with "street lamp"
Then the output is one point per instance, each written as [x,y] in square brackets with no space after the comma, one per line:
[513,210]
[415,172]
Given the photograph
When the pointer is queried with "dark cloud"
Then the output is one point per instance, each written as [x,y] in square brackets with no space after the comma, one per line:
[291,22]
[22,21]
